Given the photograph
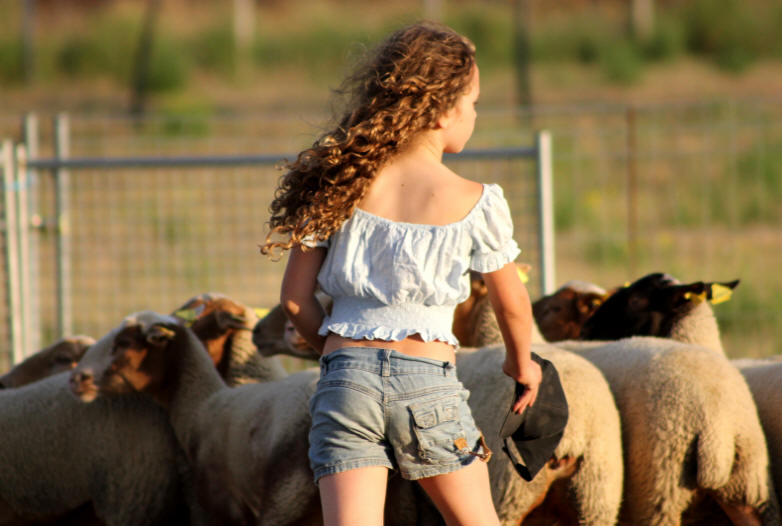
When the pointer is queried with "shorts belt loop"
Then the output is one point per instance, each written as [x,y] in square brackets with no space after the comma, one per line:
[386,365]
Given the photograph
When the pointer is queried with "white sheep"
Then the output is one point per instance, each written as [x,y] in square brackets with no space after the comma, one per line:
[247,445]
[118,457]
[583,481]
[60,356]
[764,377]
[690,433]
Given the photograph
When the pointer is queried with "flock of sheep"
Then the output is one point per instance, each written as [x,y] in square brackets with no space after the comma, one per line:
[189,418]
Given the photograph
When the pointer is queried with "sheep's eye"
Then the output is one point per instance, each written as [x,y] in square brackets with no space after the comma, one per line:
[62,359]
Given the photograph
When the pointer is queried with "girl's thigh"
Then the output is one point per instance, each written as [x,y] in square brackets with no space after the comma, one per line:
[463,497]
[355,497]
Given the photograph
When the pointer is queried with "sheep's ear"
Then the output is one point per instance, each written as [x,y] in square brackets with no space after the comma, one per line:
[227,320]
[158,334]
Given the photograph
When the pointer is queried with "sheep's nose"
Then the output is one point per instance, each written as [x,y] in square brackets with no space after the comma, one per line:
[80,377]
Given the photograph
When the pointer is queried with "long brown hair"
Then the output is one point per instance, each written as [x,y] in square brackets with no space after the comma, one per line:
[401,89]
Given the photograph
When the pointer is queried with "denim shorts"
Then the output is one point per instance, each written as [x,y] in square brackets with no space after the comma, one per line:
[380,407]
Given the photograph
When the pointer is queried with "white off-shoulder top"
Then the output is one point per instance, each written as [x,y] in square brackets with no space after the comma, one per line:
[390,280]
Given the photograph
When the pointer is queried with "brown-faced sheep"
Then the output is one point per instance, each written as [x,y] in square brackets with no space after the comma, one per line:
[247,445]
[560,315]
[225,327]
[474,322]
[60,356]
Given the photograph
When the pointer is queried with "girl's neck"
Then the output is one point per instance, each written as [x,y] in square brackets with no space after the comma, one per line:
[427,146]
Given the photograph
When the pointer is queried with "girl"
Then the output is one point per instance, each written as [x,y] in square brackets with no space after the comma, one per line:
[371,214]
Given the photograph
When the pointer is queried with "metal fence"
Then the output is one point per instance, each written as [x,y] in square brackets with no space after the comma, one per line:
[91,238]
[691,189]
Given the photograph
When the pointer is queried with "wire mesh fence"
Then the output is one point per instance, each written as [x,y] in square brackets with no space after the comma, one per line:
[152,236]
[690,189]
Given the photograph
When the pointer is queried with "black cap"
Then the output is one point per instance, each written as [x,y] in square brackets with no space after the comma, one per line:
[531,437]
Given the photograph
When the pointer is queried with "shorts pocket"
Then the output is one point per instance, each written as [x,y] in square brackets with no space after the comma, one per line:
[438,429]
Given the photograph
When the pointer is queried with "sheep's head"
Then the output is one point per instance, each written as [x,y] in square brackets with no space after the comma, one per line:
[58,357]
[129,358]
[560,315]
[651,306]
[275,334]
[215,319]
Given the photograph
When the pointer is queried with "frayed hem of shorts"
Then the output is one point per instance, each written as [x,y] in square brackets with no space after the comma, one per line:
[440,469]
[351,464]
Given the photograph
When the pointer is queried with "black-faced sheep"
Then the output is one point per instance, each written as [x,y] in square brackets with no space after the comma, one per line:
[659,305]
[247,445]
[691,432]
[62,355]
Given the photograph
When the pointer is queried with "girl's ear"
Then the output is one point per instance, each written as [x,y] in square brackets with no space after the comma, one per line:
[444,120]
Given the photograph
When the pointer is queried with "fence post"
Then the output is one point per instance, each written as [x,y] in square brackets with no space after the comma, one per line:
[11,250]
[30,134]
[20,167]
[632,191]
[63,231]
[545,211]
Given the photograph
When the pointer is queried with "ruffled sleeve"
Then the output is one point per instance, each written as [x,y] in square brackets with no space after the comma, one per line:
[311,242]
[492,233]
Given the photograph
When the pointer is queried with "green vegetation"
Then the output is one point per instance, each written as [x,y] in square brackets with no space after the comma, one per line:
[730,33]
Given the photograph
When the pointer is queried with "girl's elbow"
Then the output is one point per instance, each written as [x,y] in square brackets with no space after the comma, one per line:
[291,306]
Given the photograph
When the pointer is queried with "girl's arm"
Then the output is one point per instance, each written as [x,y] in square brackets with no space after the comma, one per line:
[297,295]
[511,303]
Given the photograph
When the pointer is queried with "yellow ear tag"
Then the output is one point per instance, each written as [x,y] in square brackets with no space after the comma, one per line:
[261,312]
[695,298]
[522,275]
[189,315]
[627,284]
[720,293]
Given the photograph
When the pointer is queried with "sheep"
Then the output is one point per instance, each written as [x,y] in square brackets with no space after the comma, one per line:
[247,445]
[62,355]
[705,436]
[690,432]
[59,457]
[475,324]
[583,481]
[275,334]
[560,315]
[225,327]
[235,449]
[764,377]
[659,305]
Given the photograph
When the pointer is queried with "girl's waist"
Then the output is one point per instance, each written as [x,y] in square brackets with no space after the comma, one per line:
[413,346]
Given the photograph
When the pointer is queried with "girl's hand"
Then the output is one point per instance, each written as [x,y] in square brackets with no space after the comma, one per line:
[530,377]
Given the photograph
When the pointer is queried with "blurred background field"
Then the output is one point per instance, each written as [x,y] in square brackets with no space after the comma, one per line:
[667,136]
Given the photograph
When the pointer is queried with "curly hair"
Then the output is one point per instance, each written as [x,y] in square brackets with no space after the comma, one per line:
[413,78]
